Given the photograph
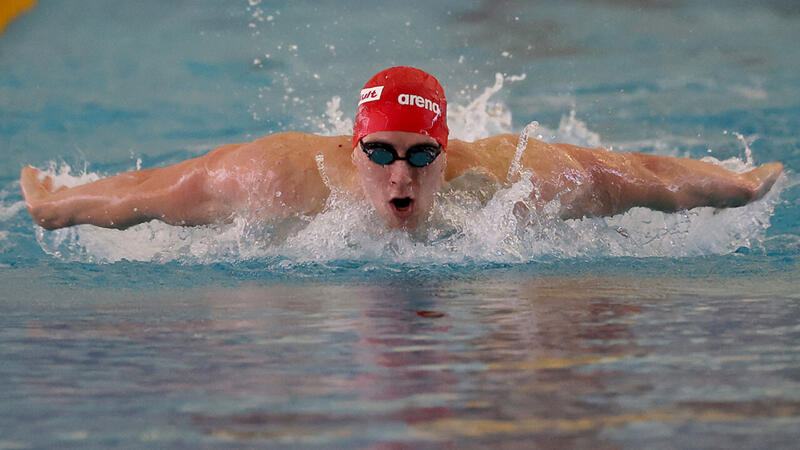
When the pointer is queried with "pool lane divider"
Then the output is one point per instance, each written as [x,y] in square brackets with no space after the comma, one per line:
[11,9]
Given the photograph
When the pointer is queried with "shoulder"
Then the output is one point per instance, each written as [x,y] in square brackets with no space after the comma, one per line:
[298,141]
[273,151]
[282,170]
[489,156]
[495,153]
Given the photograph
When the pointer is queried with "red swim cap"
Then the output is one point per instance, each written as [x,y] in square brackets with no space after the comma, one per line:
[402,99]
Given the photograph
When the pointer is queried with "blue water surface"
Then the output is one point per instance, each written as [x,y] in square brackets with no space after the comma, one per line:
[674,349]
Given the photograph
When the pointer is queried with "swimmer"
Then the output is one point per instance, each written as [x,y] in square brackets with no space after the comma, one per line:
[398,158]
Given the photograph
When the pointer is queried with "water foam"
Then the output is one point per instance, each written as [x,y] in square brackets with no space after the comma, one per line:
[10,210]
[474,221]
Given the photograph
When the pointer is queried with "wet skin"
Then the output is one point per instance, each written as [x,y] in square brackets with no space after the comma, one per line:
[400,193]
[277,176]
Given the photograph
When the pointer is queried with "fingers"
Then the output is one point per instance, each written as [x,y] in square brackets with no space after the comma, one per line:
[29,171]
[33,186]
[47,184]
[30,184]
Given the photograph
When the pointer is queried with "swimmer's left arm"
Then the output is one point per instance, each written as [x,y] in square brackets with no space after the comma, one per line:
[621,181]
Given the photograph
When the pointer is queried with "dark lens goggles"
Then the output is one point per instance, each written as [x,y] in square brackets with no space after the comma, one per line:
[417,156]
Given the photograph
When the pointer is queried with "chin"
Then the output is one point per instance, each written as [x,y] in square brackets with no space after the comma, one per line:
[396,223]
[407,224]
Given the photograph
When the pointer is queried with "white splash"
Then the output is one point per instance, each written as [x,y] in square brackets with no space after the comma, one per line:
[515,169]
[7,211]
[62,175]
[332,123]
[480,118]
[474,221]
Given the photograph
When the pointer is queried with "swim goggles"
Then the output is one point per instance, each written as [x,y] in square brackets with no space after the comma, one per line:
[384,154]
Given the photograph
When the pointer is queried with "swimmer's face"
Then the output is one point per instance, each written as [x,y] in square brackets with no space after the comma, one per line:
[400,193]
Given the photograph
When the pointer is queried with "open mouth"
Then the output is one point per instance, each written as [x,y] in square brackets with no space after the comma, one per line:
[402,206]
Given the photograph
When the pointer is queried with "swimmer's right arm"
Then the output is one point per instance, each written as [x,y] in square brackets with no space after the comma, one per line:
[178,195]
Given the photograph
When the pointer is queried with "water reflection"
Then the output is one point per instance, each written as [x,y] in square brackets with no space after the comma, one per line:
[556,361]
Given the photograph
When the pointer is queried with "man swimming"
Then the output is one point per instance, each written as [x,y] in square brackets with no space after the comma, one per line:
[398,157]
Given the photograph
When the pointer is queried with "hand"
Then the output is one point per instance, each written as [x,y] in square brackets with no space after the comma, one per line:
[36,191]
[762,178]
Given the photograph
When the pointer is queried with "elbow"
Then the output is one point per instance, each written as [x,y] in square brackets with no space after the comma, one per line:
[191,204]
[702,196]
[722,195]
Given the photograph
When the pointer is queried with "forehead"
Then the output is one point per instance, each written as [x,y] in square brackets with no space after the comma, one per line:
[399,138]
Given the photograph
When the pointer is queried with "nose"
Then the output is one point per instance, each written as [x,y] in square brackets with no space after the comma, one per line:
[400,173]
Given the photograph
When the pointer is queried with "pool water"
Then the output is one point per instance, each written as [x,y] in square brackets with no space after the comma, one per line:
[645,329]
